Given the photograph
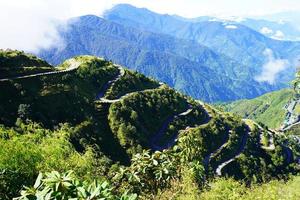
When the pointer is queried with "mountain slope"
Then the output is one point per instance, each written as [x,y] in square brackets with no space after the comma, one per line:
[114,129]
[267,109]
[233,40]
[182,64]
[187,66]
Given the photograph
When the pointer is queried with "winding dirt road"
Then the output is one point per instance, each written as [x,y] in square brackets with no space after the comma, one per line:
[207,158]
[155,139]
[271,146]
[108,85]
[237,154]
[73,66]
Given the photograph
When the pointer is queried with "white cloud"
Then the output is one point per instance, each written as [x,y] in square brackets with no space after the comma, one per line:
[279,35]
[231,27]
[271,68]
[281,22]
[266,31]
[32,24]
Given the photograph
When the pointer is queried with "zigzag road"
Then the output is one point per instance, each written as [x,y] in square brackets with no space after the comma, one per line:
[73,66]
[290,126]
[100,98]
[159,135]
[164,128]
[238,153]
[110,84]
[207,158]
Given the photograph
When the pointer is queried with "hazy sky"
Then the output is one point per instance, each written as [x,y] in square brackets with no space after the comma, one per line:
[31,24]
[194,8]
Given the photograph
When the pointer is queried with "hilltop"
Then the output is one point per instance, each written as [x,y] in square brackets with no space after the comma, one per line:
[106,122]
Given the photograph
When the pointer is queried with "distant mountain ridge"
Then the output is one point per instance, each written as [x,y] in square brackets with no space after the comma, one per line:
[206,59]
[188,66]
[234,40]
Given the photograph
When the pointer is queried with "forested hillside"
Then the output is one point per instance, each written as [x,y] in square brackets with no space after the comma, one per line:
[138,137]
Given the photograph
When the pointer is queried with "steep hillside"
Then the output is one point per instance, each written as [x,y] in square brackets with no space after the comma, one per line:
[13,64]
[267,109]
[140,136]
[185,65]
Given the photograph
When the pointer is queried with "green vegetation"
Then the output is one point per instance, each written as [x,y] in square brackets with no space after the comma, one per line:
[132,119]
[267,109]
[56,123]
[295,130]
[66,186]
[130,82]
[28,149]
[233,190]
[65,97]
[16,63]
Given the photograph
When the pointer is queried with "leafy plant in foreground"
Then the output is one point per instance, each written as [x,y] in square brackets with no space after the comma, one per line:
[65,186]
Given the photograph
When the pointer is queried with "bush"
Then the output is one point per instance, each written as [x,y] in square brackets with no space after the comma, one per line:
[66,186]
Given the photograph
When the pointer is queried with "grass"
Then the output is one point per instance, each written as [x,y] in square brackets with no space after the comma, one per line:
[267,109]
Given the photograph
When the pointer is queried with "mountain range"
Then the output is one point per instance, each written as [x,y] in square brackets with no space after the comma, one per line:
[206,59]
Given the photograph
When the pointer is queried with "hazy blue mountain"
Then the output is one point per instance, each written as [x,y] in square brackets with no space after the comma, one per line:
[186,65]
[234,40]
[292,17]
[279,29]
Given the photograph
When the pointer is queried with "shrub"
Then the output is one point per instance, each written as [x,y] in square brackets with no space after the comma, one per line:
[66,186]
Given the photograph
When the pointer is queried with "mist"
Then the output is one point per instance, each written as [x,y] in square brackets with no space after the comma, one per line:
[31,25]
[271,68]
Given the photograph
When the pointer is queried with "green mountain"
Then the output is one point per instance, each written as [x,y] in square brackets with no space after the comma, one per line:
[278,110]
[267,109]
[13,63]
[138,137]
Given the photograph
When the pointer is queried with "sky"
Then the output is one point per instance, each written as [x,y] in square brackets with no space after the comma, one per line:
[31,25]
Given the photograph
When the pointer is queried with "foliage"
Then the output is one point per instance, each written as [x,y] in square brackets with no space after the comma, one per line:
[32,149]
[66,186]
[267,109]
[16,63]
[233,190]
[130,82]
[149,172]
[58,98]
[132,119]
[56,123]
